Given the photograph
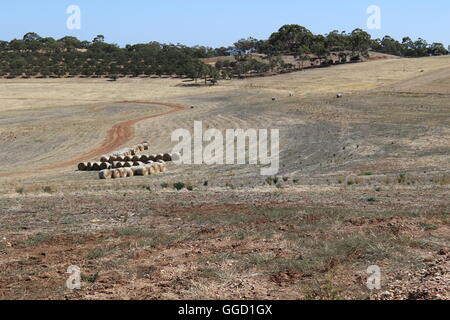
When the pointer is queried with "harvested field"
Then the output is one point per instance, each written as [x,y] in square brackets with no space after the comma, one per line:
[364,180]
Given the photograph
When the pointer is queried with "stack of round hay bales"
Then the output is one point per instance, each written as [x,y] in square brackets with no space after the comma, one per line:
[123,172]
[116,174]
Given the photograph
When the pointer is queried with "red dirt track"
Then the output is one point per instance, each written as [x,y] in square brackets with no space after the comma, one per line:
[117,136]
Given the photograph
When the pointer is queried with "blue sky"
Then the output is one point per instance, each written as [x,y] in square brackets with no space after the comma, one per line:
[215,23]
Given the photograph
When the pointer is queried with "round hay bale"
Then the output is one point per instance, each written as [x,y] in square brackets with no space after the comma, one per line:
[141,171]
[144,158]
[146,145]
[136,158]
[82,166]
[134,169]
[123,172]
[104,159]
[167,157]
[115,174]
[105,174]
[128,164]
[161,167]
[120,158]
[140,147]
[159,157]
[176,156]
[96,166]
[129,172]
[114,165]
[118,164]
[104,166]
[156,167]
[138,164]
[152,157]
[128,158]
[151,169]
[112,159]
[339,95]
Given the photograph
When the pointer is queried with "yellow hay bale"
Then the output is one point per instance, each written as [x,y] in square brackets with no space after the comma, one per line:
[129,172]
[123,172]
[115,174]
[161,162]
[156,168]
[83,166]
[146,145]
[105,174]
[152,170]
[167,157]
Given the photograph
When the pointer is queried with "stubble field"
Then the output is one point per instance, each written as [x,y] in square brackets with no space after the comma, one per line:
[364,180]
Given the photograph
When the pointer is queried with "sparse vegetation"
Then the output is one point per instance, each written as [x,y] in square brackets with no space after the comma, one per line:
[179,186]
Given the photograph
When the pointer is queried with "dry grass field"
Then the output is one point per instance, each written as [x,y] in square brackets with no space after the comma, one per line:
[364,180]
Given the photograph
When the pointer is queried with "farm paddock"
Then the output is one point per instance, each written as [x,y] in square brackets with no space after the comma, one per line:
[364,180]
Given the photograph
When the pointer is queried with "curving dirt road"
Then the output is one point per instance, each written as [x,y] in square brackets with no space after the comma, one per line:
[117,136]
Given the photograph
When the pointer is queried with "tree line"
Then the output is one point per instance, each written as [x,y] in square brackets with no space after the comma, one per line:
[36,56]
